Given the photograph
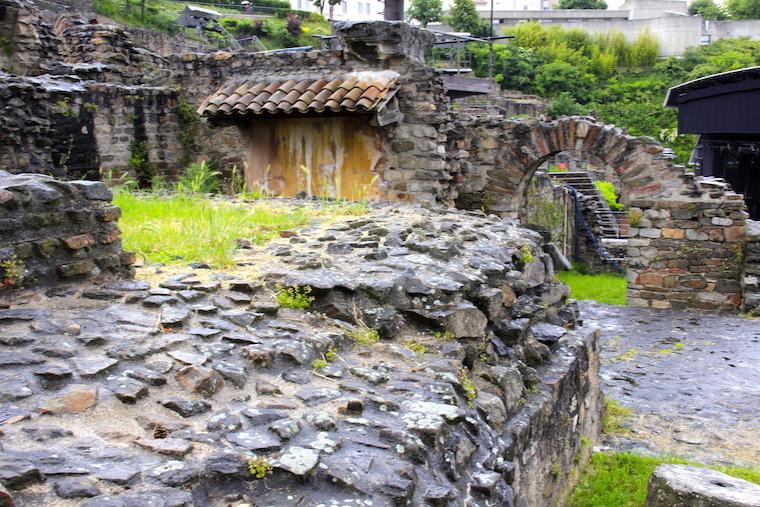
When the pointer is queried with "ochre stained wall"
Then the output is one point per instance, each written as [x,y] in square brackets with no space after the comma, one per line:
[333,157]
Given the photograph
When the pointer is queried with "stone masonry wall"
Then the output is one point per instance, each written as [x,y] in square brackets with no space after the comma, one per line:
[72,129]
[687,254]
[751,281]
[53,230]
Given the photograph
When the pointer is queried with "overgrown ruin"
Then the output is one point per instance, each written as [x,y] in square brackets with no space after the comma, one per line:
[438,360]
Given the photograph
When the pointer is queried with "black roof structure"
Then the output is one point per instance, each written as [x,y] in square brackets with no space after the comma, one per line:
[726,103]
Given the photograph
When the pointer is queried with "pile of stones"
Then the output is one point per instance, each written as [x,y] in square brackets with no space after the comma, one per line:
[436,364]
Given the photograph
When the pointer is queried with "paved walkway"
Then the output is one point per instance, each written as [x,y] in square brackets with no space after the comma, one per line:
[691,378]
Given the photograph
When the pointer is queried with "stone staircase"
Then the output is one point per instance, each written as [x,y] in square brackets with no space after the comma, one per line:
[604,222]
[583,183]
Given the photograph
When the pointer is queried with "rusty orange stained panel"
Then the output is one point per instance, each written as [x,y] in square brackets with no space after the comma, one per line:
[358,91]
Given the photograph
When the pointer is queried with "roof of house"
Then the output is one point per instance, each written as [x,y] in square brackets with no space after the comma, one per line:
[736,80]
[356,92]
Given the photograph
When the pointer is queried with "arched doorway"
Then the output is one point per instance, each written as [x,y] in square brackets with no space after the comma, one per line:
[686,247]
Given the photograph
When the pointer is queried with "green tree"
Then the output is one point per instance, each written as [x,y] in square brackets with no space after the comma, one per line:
[644,51]
[708,9]
[558,76]
[744,9]
[463,17]
[581,4]
[425,11]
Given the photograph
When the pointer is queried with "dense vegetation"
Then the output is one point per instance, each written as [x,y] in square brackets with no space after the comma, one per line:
[286,27]
[604,75]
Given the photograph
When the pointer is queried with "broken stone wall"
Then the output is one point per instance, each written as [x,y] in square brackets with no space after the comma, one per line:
[27,44]
[53,230]
[751,281]
[73,129]
[687,253]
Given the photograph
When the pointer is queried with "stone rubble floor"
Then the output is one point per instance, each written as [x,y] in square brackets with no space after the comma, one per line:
[699,400]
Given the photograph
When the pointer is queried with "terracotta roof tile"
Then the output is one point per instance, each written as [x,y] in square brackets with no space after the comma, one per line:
[361,91]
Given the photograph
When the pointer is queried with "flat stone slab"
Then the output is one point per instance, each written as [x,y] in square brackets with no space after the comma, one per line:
[688,486]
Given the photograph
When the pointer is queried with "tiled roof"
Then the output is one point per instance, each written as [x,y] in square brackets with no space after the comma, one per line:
[355,92]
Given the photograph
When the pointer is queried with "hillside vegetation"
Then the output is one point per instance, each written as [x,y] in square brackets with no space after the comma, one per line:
[604,75]
[285,28]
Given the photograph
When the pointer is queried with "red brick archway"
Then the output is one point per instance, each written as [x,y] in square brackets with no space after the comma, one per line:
[686,250]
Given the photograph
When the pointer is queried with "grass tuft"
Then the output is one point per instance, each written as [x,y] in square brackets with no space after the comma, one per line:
[615,415]
[604,288]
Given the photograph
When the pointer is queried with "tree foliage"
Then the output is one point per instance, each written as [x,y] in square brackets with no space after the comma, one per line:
[425,11]
[708,9]
[620,82]
[581,4]
[464,17]
[744,9]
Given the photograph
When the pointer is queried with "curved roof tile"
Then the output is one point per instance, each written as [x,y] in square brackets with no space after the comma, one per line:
[354,92]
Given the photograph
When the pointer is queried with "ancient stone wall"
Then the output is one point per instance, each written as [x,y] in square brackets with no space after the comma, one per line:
[688,248]
[53,230]
[751,281]
[73,129]
[27,44]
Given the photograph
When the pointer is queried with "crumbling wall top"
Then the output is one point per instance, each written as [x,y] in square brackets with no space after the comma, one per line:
[382,41]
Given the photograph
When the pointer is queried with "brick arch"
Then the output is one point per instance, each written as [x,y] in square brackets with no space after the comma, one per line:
[645,168]
[686,249]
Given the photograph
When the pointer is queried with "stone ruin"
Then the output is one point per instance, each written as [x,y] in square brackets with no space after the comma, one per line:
[83,99]
[51,230]
[439,364]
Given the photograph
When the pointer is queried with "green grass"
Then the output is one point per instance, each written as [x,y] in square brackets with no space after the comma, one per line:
[615,415]
[178,229]
[604,288]
[620,479]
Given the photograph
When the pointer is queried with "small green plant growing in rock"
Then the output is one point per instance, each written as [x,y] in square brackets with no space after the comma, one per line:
[555,470]
[446,336]
[634,217]
[468,386]
[328,357]
[628,355]
[487,203]
[259,467]
[615,415]
[65,109]
[90,107]
[12,272]
[416,347]
[365,336]
[296,298]
[526,255]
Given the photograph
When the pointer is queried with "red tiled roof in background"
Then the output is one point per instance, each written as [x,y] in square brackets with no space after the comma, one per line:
[355,92]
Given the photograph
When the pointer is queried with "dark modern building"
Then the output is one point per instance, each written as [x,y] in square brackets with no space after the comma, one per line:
[724,110]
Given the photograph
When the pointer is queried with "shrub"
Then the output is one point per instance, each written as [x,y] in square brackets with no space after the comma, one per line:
[198,178]
[294,26]
[297,298]
[609,193]
[645,50]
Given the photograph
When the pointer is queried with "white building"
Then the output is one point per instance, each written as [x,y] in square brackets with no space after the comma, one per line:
[347,10]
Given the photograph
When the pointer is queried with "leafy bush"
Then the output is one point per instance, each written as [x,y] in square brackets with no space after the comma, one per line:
[365,336]
[610,194]
[198,178]
[297,298]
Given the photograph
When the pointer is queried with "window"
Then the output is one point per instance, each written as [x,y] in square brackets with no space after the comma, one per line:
[705,39]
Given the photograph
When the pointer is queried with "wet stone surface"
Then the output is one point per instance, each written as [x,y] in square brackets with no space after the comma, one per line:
[200,389]
[691,378]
